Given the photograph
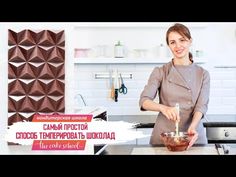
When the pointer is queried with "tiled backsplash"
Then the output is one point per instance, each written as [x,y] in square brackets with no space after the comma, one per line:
[96,92]
[223,91]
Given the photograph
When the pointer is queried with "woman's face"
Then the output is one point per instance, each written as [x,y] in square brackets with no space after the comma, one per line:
[179,45]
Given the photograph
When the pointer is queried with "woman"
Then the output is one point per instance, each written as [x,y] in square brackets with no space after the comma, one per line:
[179,81]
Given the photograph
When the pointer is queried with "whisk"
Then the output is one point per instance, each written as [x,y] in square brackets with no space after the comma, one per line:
[177,122]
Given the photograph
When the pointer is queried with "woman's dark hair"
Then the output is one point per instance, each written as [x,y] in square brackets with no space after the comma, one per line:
[182,30]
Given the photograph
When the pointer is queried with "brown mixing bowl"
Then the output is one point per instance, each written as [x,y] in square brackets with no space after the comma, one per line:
[176,143]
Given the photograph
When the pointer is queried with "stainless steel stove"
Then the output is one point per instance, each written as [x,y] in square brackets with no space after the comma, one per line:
[221,132]
[223,135]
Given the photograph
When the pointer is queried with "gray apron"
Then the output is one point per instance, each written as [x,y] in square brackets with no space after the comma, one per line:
[190,89]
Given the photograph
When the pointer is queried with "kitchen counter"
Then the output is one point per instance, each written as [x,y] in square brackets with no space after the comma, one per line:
[124,149]
[209,149]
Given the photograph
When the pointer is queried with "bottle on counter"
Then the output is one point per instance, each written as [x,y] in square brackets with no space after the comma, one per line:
[119,50]
[162,51]
[199,53]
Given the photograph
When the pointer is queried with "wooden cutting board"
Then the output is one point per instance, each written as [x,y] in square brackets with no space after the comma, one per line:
[204,150]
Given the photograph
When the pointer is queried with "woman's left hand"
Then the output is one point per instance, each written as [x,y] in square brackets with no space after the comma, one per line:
[194,133]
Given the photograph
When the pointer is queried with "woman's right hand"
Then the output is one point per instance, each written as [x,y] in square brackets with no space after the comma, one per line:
[171,113]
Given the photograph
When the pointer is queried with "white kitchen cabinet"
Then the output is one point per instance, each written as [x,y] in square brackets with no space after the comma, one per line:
[145,131]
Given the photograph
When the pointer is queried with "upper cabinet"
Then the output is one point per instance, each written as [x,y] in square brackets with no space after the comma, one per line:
[127,42]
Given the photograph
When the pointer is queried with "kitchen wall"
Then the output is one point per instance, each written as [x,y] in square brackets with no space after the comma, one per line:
[97,91]
[216,40]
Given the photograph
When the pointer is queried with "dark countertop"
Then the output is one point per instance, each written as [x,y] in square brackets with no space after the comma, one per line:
[229,120]
[145,125]
[219,124]
[148,121]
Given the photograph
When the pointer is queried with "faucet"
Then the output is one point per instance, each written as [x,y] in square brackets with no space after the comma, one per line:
[81,97]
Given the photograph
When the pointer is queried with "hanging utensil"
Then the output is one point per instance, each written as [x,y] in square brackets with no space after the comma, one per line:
[123,89]
[112,89]
[116,86]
